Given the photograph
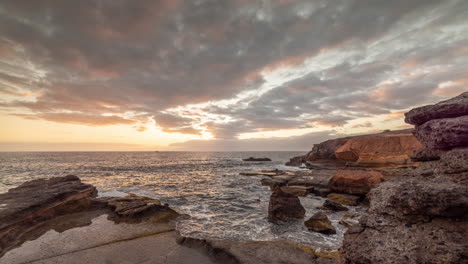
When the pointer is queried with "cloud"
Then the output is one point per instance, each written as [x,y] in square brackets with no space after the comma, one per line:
[228,67]
[81,119]
[297,143]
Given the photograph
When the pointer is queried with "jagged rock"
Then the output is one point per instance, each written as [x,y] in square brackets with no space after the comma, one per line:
[345,199]
[39,200]
[444,133]
[334,206]
[355,181]
[412,221]
[138,207]
[320,223]
[284,206]
[454,107]
[256,159]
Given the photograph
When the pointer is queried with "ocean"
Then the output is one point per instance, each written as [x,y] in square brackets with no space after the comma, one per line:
[206,185]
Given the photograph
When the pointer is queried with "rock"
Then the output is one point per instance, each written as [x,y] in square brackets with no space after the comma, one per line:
[444,133]
[319,223]
[412,221]
[334,206]
[256,159]
[297,190]
[350,221]
[269,174]
[296,161]
[139,207]
[454,107]
[421,198]
[39,200]
[345,199]
[426,155]
[380,149]
[322,192]
[284,206]
[272,183]
[260,252]
[326,150]
[355,181]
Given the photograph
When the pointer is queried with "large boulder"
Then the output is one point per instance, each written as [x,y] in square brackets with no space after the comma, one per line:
[39,200]
[284,206]
[355,181]
[412,221]
[454,107]
[444,133]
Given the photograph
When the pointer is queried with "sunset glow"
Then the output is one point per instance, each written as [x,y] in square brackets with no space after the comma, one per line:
[176,75]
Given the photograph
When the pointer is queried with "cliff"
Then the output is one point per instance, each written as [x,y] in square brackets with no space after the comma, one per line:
[390,148]
[423,216]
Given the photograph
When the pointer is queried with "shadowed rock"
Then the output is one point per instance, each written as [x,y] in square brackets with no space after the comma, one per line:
[454,107]
[284,207]
[334,206]
[319,223]
[444,133]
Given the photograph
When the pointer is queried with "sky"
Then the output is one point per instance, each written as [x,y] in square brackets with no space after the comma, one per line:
[225,75]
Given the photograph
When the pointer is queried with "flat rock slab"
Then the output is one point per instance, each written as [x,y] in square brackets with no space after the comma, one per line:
[103,241]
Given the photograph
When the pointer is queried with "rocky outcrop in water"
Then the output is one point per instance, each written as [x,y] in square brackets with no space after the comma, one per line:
[284,207]
[39,200]
[422,217]
[256,159]
[320,223]
[26,208]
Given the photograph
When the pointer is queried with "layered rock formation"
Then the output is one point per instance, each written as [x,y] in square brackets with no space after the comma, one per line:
[26,208]
[36,201]
[390,148]
[422,217]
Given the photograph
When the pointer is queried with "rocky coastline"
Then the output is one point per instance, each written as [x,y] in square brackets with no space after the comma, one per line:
[411,188]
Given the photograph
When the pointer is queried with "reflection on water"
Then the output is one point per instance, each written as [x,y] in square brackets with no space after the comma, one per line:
[206,185]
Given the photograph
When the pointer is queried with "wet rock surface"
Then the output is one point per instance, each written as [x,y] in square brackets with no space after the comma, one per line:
[37,201]
[259,252]
[319,222]
[334,206]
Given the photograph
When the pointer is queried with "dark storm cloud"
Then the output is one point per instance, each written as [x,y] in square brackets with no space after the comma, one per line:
[143,57]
